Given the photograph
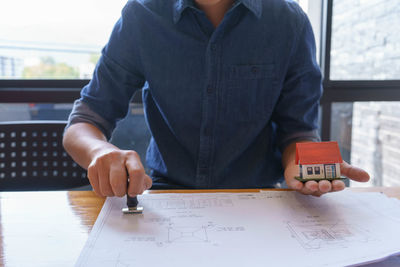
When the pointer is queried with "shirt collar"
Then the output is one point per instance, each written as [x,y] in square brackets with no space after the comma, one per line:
[180,6]
[254,6]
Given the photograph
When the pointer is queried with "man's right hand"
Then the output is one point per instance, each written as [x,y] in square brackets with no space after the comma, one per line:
[108,167]
[109,172]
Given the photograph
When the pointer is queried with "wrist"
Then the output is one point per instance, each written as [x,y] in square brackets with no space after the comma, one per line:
[100,148]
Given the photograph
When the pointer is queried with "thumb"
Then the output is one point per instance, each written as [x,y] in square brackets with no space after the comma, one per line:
[354,173]
[137,176]
[147,183]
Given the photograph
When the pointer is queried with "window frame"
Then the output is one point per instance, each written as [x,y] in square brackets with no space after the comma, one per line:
[67,90]
[40,91]
[346,90]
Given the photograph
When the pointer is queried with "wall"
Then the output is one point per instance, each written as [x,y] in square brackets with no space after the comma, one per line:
[366,46]
[365,40]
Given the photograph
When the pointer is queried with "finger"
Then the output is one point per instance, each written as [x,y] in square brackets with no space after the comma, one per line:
[94,180]
[104,180]
[312,186]
[337,185]
[354,173]
[148,182]
[136,174]
[289,174]
[136,182]
[105,186]
[294,184]
[324,186]
[118,179]
[306,191]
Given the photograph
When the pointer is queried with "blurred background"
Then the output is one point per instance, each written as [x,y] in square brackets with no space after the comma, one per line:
[48,51]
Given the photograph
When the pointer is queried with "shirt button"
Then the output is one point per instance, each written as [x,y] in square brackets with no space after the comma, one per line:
[213,47]
[210,89]
[254,70]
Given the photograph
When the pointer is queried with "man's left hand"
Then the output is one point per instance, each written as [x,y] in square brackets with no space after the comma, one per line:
[319,188]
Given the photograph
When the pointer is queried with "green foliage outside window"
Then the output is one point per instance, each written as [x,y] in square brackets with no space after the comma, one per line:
[49,68]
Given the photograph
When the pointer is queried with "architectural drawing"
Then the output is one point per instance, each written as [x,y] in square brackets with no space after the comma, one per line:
[188,203]
[187,234]
[327,235]
[122,263]
[243,230]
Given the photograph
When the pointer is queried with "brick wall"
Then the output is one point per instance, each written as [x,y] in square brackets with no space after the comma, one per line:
[366,45]
[376,141]
[365,40]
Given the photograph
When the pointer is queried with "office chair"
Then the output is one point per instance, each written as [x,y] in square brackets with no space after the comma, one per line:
[32,158]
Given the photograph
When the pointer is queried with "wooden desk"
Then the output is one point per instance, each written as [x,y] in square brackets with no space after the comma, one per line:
[51,228]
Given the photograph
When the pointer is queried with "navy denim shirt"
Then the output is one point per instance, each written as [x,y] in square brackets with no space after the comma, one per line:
[221,103]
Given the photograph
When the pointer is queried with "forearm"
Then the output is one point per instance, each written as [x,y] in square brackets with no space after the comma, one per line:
[84,142]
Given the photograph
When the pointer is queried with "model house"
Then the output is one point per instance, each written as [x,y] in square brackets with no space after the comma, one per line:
[318,160]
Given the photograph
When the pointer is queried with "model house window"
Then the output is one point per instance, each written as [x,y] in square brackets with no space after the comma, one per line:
[317,170]
[309,170]
[330,170]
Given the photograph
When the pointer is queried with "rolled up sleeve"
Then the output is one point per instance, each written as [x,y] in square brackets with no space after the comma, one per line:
[81,112]
[117,76]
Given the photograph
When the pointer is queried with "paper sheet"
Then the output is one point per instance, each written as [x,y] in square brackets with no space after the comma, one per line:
[246,229]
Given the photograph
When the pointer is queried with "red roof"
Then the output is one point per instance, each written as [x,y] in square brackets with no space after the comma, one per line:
[318,153]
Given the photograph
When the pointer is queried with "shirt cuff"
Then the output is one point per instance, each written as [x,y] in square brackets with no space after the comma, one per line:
[312,136]
[81,112]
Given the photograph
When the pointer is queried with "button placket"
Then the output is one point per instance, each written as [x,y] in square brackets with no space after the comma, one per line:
[206,139]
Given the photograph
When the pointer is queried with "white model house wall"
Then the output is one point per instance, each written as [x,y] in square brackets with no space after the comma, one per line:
[320,170]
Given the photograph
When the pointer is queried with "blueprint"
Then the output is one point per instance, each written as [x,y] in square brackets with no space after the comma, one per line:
[270,228]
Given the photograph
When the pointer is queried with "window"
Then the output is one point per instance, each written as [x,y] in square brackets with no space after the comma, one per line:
[50,39]
[317,170]
[365,40]
[362,86]
[61,40]
[34,111]
[368,134]
[309,170]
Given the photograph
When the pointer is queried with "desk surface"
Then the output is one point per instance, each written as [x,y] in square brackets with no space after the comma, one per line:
[51,228]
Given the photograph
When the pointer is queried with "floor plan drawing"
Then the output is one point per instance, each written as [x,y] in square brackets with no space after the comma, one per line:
[327,235]
[187,234]
[121,263]
[188,203]
[243,229]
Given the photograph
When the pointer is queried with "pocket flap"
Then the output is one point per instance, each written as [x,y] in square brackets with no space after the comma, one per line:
[253,71]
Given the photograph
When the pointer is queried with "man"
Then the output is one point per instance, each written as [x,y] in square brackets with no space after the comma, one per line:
[231,87]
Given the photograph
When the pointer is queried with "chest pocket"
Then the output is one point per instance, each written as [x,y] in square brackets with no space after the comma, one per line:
[250,92]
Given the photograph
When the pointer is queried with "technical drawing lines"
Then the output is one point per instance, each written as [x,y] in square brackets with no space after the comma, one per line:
[322,235]
[187,203]
[187,234]
[121,263]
